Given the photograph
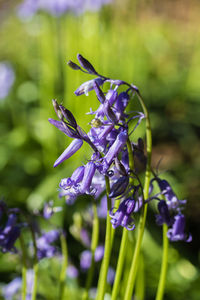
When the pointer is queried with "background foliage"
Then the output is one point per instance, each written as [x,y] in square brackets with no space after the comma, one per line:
[155,45]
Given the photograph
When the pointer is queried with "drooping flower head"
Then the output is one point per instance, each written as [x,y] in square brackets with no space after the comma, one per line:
[10,228]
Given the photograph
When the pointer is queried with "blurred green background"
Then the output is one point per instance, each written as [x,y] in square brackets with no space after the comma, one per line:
[153,44]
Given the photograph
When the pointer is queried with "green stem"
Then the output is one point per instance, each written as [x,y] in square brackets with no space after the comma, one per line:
[94,243]
[64,266]
[123,245]
[108,244]
[163,273]
[24,267]
[120,264]
[134,265]
[35,266]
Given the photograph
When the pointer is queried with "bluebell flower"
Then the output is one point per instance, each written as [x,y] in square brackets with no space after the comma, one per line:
[44,244]
[85,260]
[111,275]
[86,257]
[114,150]
[170,212]
[164,216]
[119,186]
[9,233]
[75,145]
[49,210]
[76,178]
[72,271]
[121,104]
[122,217]
[85,186]
[88,86]
[177,232]
[7,78]
[172,201]
[12,290]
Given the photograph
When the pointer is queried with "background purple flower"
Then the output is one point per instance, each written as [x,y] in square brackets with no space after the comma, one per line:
[72,271]
[7,78]
[28,8]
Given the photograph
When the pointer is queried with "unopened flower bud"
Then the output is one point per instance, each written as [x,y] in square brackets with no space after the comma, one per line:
[68,116]
[72,65]
[57,109]
[119,187]
[99,93]
[109,113]
[71,149]
[120,167]
[86,64]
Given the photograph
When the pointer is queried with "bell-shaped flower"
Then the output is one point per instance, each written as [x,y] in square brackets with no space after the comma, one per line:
[88,86]
[75,145]
[85,186]
[9,233]
[119,187]
[114,150]
[76,177]
[172,201]
[122,217]
[177,232]
[164,215]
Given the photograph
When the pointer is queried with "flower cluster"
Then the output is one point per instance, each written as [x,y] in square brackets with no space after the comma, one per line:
[108,139]
[114,156]
[170,212]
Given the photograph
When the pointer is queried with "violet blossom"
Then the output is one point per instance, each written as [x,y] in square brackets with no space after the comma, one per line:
[7,78]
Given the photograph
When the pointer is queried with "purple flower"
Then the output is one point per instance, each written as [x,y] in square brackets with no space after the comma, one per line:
[114,150]
[111,275]
[62,126]
[9,233]
[72,271]
[85,186]
[122,217]
[49,210]
[99,253]
[76,177]
[28,8]
[86,257]
[164,216]
[7,78]
[119,187]
[88,86]
[172,201]
[85,260]
[176,233]
[121,103]
[44,247]
[75,145]
[11,290]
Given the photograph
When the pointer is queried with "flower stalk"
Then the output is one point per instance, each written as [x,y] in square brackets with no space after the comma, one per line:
[134,265]
[94,243]
[24,267]
[163,272]
[62,282]
[108,245]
